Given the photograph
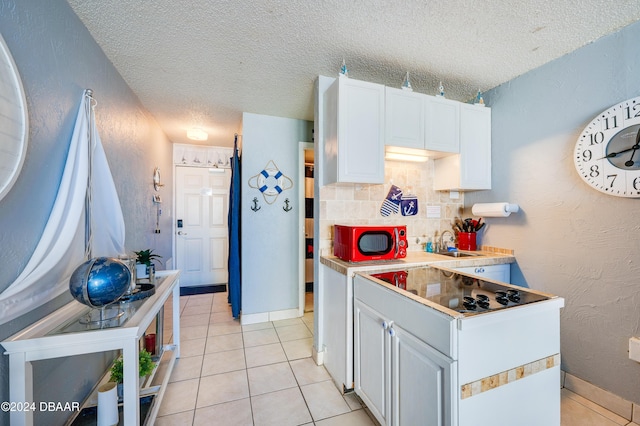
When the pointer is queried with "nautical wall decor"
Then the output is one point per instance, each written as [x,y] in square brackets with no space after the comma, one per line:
[397,202]
[409,205]
[270,182]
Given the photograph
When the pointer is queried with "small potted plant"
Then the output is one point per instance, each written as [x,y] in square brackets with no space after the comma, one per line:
[145,266]
[145,367]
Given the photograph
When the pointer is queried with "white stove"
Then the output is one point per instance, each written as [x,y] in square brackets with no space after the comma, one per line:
[462,293]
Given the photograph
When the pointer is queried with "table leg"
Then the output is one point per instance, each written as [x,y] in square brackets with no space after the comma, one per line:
[176,318]
[131,383]
[21,389]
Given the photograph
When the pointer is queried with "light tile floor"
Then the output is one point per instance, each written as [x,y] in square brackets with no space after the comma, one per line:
[260,374]
[263,374]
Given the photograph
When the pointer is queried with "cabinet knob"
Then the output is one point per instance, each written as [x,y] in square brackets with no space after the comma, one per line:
[385,325]
[392,332]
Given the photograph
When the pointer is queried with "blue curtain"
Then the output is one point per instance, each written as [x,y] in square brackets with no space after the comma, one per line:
[235,290]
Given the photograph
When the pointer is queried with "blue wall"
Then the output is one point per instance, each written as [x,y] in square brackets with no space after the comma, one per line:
[570,239]
[57,59]
[270,236]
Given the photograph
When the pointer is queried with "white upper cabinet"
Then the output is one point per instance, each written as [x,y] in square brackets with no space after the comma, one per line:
[419,121]
[443,125]
[471,169]
[404,118]
[358,118]
[354,132]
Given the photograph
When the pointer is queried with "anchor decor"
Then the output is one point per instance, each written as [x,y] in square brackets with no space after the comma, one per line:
[270,182]
[397,201]
[255,206]
[286,207]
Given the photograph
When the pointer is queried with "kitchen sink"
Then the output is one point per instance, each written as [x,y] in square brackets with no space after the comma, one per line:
[456,254]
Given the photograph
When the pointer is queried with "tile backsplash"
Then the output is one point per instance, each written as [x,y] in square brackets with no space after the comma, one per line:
[359,204]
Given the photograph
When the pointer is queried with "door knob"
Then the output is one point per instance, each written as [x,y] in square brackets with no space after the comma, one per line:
[182,233]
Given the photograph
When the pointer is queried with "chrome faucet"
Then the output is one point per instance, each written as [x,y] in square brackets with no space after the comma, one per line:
[444,247]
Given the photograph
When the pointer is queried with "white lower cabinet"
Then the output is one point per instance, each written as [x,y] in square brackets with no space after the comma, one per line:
[418,369]
[401,379]
[372,361]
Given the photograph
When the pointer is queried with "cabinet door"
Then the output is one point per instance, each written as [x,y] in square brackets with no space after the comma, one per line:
[422,382]
[404,118]
[360,131]
[475,147]
[471,169]
[442,124]
[371,360]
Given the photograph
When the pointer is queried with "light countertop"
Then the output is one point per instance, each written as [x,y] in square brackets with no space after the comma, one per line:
[416,259]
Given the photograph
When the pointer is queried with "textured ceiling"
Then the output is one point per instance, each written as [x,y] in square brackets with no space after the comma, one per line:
[204,62]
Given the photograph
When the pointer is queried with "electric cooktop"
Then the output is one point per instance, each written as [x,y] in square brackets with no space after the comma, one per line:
[460,292]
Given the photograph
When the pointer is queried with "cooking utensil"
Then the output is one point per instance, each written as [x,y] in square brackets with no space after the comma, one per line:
[468,224]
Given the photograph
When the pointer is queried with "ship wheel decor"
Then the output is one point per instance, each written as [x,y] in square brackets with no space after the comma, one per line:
[270,182]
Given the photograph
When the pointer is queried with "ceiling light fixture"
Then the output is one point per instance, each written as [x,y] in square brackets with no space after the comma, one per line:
[405,154]
[197,134]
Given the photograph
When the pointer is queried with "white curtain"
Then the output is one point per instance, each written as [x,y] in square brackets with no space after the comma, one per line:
[62,246]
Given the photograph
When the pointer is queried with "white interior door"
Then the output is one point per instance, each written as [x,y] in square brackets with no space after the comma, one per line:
[202,237]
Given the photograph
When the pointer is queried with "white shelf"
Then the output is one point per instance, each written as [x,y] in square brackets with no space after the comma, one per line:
[43,340]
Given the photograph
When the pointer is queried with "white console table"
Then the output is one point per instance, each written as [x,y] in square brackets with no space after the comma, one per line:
[58,335]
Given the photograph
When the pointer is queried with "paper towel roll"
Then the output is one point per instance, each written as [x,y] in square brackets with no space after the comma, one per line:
[107,405]
[494,209]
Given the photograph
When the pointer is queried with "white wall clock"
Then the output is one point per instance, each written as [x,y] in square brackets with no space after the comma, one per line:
[607,153]
[14,123]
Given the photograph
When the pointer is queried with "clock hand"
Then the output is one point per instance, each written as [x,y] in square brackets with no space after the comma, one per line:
[615,154]
[630,162]
[635,148]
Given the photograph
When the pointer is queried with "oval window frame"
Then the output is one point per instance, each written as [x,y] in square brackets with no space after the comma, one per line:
[14,119]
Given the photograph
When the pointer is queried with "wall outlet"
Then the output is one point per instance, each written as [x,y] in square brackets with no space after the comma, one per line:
[634,349]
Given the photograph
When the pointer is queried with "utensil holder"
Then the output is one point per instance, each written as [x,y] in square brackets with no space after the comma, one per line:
[467,241]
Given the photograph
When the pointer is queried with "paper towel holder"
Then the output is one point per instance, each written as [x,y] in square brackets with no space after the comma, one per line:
[494,209]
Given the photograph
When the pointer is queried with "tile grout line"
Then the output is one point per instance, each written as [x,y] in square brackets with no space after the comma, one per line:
[244,351]
[210,324]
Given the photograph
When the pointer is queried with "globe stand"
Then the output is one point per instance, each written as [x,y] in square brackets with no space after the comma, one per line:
[102,315]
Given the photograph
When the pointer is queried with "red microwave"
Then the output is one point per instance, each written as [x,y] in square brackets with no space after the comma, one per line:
[363,243]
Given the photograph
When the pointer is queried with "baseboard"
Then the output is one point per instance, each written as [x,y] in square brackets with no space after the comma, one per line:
[606,399]
[318,356]
[246,319]
[203,289]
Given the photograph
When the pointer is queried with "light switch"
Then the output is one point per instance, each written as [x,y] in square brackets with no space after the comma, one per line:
[634,349]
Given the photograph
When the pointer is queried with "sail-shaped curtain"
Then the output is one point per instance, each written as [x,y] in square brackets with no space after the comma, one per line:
[66,240]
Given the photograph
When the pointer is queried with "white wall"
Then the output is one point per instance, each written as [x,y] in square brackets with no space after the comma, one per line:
[270,257]
[569,239]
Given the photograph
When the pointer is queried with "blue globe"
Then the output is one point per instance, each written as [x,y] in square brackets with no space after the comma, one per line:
[99,281]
